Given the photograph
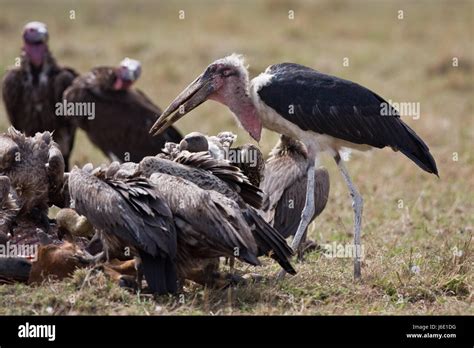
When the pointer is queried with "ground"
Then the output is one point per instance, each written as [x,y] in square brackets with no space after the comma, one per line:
[417,228]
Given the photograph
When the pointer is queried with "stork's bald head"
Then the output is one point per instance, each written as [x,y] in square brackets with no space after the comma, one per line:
[226,80]
[35,39]
[127,73]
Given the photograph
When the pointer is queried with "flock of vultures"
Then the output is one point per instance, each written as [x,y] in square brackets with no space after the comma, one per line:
[171,208]
[167,209]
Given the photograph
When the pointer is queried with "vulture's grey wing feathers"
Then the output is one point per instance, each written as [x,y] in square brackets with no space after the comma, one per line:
[291,204]
[104,204]
[226,172]
[207,219]
[278,176]
[129,111]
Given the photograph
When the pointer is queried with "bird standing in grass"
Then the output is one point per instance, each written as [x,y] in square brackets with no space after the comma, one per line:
[219,176]
[284,185]
[131,213]
[324,112]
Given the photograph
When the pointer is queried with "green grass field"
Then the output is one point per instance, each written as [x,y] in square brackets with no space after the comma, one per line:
[417,229]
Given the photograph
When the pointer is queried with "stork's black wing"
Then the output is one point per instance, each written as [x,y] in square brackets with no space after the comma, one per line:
[342,109]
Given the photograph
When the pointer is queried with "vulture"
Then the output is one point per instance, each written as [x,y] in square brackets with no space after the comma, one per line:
[209,225]
[284,186]
[131,213]
[32,90]
[122,114]
[177,229]
[8,205]
[219,176]
[247,157]
[35,169]
[71,224]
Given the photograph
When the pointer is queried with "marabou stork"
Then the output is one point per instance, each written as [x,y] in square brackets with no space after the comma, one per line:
[324,112]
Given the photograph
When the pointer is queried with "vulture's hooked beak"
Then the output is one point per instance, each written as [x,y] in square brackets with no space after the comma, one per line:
[194,95]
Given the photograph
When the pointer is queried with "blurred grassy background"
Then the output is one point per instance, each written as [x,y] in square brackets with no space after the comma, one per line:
[406,60]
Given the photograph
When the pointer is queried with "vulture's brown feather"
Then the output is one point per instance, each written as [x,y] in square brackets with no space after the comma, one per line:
[269,241]
[284,186]
[122,117]
[35,168]
[30,95]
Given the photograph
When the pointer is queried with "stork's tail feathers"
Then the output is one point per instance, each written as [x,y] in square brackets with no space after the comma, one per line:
[418,152]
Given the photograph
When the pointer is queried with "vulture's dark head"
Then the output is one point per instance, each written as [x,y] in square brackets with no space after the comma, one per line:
[127,73]
[194,142]
[35,42]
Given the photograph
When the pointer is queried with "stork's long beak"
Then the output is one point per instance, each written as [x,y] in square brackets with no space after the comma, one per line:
[194,95]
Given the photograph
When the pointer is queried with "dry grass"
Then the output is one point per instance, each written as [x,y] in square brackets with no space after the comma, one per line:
[403,60]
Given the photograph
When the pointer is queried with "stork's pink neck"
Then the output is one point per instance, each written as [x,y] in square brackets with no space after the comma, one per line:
[245,111]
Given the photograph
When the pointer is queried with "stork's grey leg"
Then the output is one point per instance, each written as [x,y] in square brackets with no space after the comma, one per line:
[300,253]
[357,205]
[307,213]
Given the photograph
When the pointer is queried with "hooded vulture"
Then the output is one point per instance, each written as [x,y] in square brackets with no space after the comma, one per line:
[122,115]
[32,90]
